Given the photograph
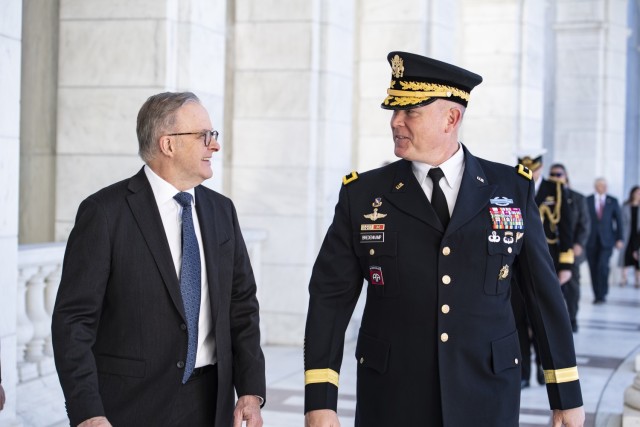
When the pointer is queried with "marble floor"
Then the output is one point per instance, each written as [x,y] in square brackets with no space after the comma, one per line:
[606,345]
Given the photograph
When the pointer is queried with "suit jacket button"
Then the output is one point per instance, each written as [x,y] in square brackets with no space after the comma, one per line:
[183,326]
[180,364]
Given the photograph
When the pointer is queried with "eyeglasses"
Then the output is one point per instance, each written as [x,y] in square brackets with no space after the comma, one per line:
[208,135]
[556,174]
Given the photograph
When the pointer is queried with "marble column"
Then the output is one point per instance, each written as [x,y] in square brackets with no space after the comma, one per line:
[113,56]
[504,42]
[426,27]
[591,41]
[10,54]
[38,125]
[291,127]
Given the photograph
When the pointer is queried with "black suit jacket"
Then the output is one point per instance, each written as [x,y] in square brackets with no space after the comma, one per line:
[438,336]
[119,332]
[608,229]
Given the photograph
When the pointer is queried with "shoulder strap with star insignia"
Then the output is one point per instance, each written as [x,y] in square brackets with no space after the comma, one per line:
[350,178]
[524,171]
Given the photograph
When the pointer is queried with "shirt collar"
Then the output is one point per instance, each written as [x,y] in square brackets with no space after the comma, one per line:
[452,168]
[162,190]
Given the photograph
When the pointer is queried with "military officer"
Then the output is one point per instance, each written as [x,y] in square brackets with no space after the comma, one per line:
[557,221]
[435,236]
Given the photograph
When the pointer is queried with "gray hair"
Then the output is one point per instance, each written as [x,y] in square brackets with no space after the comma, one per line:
[156,116]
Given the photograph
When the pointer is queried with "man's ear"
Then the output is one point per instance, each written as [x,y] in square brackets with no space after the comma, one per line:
[454,116]
[167,145]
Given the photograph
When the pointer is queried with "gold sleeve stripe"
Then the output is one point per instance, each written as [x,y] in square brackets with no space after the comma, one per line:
[566,257]
[349,178]
[561,375]
[522,170]
[413,93]
[314,376]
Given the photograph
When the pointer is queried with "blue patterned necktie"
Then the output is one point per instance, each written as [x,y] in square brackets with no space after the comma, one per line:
[189,281]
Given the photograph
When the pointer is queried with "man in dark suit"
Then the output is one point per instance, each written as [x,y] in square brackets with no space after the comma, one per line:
[437,236]
[577,204]
[156,318]
[606,232]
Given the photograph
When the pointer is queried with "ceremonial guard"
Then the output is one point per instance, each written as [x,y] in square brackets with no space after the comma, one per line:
[436,238]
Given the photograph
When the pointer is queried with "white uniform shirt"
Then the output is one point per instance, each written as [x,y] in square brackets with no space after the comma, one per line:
[450,184]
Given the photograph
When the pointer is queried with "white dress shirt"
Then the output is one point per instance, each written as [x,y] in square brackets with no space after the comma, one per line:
[450,184]
[171,214]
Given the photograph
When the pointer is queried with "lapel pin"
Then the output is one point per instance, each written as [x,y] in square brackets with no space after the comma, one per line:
[480,179]
[399,186]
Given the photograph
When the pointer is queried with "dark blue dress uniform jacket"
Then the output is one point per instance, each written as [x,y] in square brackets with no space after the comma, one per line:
[437,344]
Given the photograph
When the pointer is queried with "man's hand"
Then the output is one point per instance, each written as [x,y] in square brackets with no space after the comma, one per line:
[247,409]
[577,249]
[619,244]
[321,418]
[2,397]
[564,276]
[95,422]
[568,417]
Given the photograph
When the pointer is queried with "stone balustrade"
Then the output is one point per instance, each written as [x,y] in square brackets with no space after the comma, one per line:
[39,271]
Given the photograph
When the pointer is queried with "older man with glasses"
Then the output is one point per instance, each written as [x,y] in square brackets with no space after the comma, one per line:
[156,319]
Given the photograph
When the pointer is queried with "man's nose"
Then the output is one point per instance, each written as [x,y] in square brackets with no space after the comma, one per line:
[397,119]
[214,145]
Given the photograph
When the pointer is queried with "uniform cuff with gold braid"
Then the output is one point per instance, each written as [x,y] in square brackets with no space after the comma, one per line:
[558,376]
[314,376]
[566,257]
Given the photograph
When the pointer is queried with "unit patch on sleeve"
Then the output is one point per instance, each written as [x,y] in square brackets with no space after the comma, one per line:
[375,275]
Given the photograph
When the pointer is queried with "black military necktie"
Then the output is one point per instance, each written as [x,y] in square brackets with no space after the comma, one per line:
[438,201]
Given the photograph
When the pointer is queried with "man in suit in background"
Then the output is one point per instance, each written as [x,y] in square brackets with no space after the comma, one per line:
[606,232]
[577,203]
[437,236]
[156,318]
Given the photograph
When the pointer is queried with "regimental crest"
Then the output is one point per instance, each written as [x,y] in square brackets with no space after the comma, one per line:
[397,67]
[504,272]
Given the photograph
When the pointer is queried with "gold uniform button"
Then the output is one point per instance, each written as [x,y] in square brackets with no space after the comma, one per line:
[509,250]
[361,360]
[446,279]
[446,250]
[371,252]
[444,337]
[445,309]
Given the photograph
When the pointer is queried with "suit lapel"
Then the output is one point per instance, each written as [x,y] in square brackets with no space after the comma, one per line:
[474,194]
[206,211]
[145,211]
[407,195]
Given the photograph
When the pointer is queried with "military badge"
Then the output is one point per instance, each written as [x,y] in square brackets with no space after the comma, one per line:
[494,238]
[504,272]
[375,275]
[508,237]
[506,218]
[375,215]
[501,201]
[399,185]
[519,236]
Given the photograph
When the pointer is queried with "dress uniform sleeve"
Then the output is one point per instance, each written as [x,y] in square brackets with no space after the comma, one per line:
[336,282]
[545,306]
[565,231]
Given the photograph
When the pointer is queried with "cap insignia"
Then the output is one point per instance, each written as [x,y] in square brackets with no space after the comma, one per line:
[397,66]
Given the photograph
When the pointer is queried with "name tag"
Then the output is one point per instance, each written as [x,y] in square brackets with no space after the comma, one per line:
[371,237]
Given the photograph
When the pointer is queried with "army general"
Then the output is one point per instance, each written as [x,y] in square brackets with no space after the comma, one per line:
[436,238]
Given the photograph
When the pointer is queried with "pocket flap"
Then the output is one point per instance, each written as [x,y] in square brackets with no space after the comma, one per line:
[120,366]
[505,353]
[372,353]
